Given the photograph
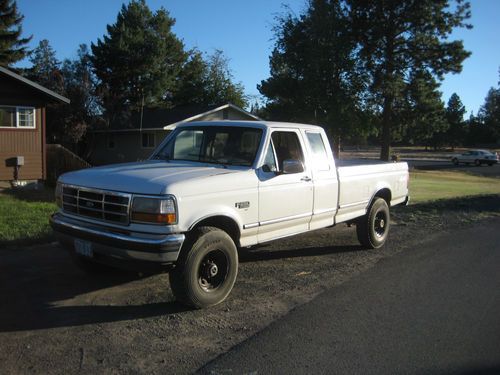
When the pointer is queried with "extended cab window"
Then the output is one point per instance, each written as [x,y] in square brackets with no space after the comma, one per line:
[284,145]
[213,144]
[319,155]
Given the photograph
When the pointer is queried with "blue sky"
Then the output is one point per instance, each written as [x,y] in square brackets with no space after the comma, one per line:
[243,30]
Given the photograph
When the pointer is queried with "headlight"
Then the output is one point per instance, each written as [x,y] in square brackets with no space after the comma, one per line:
[59,194]
[154,210]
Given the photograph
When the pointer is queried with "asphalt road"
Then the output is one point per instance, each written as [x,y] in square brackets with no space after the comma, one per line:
[434,165]
[433,309]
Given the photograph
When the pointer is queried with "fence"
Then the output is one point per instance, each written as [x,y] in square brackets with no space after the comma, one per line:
[61,160]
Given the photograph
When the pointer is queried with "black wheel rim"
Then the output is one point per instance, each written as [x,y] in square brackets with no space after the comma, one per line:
[380,224]
[213,270]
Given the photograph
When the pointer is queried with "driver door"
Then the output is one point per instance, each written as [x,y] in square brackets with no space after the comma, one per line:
[285,199]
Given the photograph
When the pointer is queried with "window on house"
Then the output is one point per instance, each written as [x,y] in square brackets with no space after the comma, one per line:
[148,140]
[110,141]
[17,117]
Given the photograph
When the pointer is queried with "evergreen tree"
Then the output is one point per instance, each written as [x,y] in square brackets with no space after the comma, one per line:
[455,112]
[220,86]
[315,76]
[397,38]
[45,68]
[420,113]
[207,81]
[137,62]
[12,46]
[489,115]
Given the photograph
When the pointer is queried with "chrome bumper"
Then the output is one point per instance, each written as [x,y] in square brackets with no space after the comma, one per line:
[106,242]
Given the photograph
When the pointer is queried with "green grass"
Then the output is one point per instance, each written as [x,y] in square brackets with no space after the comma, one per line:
[428,186]
[24,217]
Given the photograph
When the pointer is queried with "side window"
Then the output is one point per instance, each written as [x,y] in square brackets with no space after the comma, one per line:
[287,146]
[319,155]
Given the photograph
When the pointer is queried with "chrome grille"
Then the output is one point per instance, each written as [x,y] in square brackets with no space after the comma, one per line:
[96,204]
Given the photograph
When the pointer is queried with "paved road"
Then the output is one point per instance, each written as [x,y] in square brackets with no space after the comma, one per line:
[434,309]
[483,170]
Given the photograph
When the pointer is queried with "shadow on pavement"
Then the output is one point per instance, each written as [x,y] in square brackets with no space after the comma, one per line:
[36,282]
[263,253]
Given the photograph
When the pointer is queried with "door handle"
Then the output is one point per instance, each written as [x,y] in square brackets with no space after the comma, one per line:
[306,179]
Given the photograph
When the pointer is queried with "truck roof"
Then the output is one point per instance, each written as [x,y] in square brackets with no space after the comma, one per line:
[253,124]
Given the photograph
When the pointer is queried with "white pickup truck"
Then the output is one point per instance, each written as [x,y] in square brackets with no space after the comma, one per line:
[213,187]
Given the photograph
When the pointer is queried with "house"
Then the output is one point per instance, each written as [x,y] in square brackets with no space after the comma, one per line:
[143,135]
[22,127]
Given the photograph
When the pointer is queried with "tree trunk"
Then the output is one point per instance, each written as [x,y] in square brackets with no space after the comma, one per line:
[385,152]
[336,147]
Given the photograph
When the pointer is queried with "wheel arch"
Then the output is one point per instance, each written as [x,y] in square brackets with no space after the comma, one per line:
[384,193]
[222,222]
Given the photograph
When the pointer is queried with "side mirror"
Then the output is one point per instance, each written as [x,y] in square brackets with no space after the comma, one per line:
[291,166]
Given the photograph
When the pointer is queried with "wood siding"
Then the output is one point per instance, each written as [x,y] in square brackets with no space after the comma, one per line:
[22,142]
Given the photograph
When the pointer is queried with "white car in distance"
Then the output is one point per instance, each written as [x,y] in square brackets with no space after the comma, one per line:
[477,157]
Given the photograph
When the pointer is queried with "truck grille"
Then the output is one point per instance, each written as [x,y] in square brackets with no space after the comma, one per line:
[96,204]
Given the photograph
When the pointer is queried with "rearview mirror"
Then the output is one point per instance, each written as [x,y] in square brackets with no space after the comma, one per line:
[291,166]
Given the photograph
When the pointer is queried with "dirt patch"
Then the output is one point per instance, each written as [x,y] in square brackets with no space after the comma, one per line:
[56,319]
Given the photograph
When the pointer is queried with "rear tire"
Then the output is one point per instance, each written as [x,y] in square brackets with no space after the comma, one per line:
[206,270]
[373,228]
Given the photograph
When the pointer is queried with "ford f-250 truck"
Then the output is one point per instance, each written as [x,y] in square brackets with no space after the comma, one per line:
[213,187]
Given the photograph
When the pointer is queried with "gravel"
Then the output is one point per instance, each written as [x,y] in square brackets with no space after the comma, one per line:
[56,319]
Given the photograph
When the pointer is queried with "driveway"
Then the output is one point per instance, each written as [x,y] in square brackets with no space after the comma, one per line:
[56,319]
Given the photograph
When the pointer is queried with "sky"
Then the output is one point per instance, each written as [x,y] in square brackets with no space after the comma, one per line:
[244,31]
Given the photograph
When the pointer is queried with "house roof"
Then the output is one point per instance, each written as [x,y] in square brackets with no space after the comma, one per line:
[36,86]
[168,119]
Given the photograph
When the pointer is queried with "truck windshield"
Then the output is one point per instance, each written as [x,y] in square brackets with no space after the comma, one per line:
[213,144]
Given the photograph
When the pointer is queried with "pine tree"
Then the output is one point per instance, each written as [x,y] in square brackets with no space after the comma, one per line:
[455,112]
[12,46]
[397,38]
[137,62]
[315,76]
[45,68]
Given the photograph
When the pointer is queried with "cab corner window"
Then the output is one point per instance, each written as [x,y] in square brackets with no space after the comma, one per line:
[318,150]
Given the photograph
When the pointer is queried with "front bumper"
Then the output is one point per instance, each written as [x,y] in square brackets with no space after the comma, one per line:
[109,243]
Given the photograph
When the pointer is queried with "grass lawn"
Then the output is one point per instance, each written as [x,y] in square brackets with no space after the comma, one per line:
[432,185]
[24,216]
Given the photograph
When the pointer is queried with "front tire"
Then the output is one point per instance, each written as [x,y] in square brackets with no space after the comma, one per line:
[206,270]
[373,228]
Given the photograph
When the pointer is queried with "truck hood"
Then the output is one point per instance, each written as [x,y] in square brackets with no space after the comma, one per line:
[148,177]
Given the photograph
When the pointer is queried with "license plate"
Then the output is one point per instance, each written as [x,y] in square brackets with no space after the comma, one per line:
[84,248]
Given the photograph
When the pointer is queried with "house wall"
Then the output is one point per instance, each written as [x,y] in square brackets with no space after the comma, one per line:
[22,142]
[128,147]
[128,144]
